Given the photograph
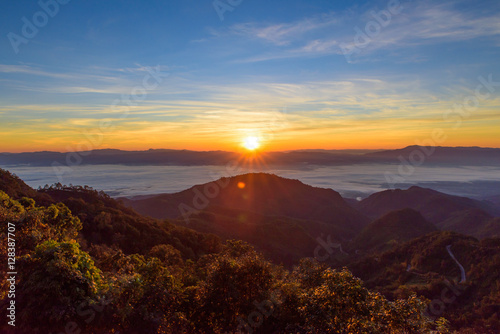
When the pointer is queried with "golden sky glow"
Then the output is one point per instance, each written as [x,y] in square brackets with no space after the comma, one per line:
[282,78]
[224,126]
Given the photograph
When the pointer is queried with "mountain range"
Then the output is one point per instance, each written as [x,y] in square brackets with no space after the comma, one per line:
[445,211]
[264,209]
[472,156]
[249,206]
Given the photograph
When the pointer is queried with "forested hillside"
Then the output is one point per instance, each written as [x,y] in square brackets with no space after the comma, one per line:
[87,263]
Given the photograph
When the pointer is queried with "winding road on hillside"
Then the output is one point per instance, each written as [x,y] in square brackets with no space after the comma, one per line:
[463,279]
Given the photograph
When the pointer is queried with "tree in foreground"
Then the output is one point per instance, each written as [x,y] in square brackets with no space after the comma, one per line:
[56,279]
[322,300]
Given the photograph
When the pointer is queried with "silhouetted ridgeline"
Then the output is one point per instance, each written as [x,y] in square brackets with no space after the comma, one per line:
[267,195]
[448,212]
[437,155]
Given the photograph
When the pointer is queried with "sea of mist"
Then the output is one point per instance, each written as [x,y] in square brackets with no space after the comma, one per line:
[354,181]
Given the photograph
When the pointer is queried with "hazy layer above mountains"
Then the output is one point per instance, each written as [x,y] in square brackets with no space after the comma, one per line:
[412,155]
[470,172]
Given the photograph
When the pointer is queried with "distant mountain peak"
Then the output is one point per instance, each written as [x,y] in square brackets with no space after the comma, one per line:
[446,211]
[259,193]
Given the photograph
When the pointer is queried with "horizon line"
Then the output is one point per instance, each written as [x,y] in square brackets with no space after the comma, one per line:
[257,151]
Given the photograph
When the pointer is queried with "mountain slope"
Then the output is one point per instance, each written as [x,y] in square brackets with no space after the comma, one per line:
[471,222]
[435,206]
[423,265]
[394,227]
[16,188]
[490,229]
[107,222]
[282,239]
[261,193]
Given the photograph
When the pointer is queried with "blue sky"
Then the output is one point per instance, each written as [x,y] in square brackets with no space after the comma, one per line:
[272,69]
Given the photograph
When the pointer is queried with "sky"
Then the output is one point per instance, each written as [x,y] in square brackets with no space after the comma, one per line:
[204,75]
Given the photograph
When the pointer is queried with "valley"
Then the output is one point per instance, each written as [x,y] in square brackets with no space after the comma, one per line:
[402,243]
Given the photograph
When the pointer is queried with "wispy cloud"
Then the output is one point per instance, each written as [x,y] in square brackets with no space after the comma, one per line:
[25,69]
[440,22]
[93,73]
[419,23]
[282,33]
[88,80]
[314,111]
[425,23]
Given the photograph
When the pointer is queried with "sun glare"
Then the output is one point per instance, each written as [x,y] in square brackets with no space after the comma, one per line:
[251,143]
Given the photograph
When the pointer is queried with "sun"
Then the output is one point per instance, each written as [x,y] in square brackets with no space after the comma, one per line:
[251,143]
